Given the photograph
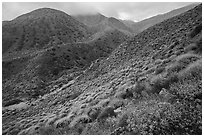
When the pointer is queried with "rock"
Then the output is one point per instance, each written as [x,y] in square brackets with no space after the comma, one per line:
[118,110]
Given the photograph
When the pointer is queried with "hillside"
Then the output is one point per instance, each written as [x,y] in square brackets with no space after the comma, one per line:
[149,84]
[30,74]
[39,29]
[144,24]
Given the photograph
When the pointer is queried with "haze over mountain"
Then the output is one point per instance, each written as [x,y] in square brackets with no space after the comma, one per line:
[98,22]
[91,75]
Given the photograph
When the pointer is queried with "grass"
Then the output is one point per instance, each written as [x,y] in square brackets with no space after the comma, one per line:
[181,62]
[194,70]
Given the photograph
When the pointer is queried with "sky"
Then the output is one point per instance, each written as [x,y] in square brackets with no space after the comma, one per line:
[135,11]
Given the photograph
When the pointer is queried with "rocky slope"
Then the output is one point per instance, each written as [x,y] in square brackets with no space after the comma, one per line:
[150,84]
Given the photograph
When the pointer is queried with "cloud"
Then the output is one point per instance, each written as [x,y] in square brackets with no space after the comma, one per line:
[122,10]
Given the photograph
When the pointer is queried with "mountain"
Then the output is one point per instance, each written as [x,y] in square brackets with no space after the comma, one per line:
[144,24]
[99,22]
[91,20]
[150,84]
[31,68]
[39,28]
[128,22]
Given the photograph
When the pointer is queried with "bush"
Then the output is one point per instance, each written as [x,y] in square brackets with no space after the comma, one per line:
[199,45]
[93,112]
[152,117]
[181,62]
[159,70]
[196,30]
[175,68]
[116,103]
[187,58]
[195,47]
[107,112]
[12,102]
[100,127]
[50,130]
[122,122]
[158,82]
[194,70]
[84,119]
[137,90]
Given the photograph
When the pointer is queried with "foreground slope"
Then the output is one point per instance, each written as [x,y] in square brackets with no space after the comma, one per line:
[151,84]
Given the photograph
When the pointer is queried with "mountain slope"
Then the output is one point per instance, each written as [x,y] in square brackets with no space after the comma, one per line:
[40,28]
[144,24]
[99,22]
[30,73]
[150,84]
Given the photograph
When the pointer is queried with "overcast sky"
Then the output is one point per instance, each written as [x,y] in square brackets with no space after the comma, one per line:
[129,11]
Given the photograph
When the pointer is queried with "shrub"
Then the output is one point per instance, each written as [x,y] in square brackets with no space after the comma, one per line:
[12,102]
[93,112]
[196,30]
[187,58]
[199,45]
[116,103]
[80,119]
[157,83]
[124,93]
[152,117]
[175,68]
[50,130]
[158,61]
[137,89]
[107,112]
[159,70]
[194,70]
[101,127]
[190,47]
[122,122]
[181,62]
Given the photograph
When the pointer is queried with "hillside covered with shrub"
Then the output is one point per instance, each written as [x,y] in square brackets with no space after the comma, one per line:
[150,84]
